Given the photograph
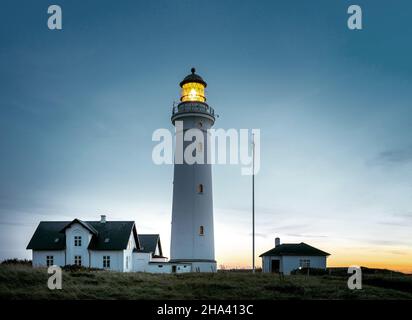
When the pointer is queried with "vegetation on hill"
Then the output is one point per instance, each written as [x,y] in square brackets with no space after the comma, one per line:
[20,281]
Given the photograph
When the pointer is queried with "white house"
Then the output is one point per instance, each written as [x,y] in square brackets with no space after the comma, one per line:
[284,258]
[110,245]
[149,257]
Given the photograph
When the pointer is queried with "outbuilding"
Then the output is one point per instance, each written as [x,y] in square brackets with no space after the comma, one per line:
[284,258]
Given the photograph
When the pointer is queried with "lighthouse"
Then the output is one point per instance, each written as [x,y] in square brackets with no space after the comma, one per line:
[192,236]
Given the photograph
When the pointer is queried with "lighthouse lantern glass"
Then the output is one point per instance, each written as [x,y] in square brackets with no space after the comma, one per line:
[193,91]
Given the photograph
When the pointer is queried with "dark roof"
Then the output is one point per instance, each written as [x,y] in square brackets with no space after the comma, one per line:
[112,235]
[117,233]
[45,236]
[149,242]
[295,249]
[193,77]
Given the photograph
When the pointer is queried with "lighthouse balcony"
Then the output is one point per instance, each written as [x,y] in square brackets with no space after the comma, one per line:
[192,107]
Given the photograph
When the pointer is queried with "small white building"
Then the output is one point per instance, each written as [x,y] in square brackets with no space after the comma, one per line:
[110,245]
[284,258]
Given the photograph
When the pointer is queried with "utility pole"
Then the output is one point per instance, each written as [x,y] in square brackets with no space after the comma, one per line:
[253,203]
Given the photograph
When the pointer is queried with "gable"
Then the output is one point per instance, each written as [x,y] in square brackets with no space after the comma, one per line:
[150,243]
[85,225]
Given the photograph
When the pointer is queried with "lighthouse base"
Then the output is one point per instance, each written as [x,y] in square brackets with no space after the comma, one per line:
[198,265]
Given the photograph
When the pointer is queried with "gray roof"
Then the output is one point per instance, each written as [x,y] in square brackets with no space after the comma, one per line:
[149,242]
[295,249]
[112,235]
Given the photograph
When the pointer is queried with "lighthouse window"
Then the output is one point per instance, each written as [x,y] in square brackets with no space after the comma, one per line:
[201,231]
[193,91]
[200,188]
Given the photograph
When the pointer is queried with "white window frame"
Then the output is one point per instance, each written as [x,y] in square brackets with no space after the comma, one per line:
[77,241]
[77,260]
[49,261]
[106,262]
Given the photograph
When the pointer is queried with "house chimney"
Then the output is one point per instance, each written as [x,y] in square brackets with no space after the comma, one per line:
[102,218]
[277,242]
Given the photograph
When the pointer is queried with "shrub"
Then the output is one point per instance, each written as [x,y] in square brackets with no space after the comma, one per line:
[24,262]
[76,268]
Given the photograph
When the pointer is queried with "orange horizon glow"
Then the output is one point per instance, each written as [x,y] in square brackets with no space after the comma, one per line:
[245,264]
[373,257]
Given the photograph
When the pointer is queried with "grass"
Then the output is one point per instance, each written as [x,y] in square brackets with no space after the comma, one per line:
[19,281]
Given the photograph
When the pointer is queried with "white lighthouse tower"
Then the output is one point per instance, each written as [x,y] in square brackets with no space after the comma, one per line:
[192,213]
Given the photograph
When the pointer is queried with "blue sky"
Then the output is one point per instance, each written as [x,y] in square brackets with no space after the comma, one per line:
[78,108]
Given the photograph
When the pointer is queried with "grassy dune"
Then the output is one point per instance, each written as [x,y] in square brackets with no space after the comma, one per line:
[24,282]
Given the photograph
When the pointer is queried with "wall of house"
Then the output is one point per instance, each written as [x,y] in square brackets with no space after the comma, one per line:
[159,268]
[116,259]
[183,268]
[267,263]
[39,258]
[289,263]
[168,267]
[77,229]
[128,254]
[141,261]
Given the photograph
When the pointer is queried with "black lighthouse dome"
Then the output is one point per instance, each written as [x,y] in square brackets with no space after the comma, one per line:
[194,78]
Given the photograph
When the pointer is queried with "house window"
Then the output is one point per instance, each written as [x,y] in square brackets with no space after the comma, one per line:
[127,263]
[201,231]
[304,263]
[200,188]
[106,262]
[49,261]
[77,241]
[78,260]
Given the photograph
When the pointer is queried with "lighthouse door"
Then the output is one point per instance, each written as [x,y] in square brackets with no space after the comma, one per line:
[173,269]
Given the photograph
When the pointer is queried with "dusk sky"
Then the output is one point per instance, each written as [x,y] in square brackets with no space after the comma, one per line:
[78,108]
